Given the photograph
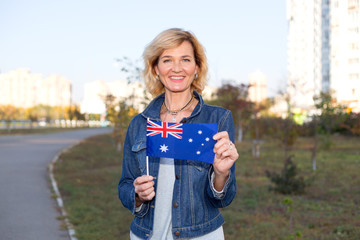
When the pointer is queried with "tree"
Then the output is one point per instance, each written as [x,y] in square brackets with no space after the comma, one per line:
[109,101]
[121,121]
[59,112]
[73,113]
[329,115]
[32,115]
[130,68]
[8,113]
[352,123]
[259,109]
[121,112]
[288,181]
[283,129]
[234,98]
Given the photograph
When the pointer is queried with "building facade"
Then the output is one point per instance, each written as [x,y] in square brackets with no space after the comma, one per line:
[258,87]
[21,88]
[345,52]
[95,92]
[304,51]
[133,93]
[323,51]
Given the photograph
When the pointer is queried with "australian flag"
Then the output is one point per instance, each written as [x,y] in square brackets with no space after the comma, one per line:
[188,141]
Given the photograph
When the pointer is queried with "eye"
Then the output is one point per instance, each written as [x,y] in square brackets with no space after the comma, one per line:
[166,60]
[187,60]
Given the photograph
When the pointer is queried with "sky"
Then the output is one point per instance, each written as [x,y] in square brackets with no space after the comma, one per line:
[80,40]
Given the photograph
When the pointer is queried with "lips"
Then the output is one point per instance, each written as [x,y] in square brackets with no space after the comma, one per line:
[177,78]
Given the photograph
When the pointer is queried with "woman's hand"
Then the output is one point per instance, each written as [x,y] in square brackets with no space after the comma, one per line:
[144,189]
[225,157]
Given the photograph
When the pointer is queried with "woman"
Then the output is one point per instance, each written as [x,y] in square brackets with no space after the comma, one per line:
[180,198]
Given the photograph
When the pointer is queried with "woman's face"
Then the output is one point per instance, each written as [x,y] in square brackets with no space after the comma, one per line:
[176,68]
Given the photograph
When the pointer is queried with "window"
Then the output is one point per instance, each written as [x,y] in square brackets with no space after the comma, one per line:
[352,61]
[354,46]
[354,29]
[353,3]
[354,76]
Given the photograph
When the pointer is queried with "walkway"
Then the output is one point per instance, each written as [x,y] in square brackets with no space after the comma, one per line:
[27,211]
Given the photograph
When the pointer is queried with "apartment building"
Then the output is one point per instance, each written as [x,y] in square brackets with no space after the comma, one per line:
[21,88]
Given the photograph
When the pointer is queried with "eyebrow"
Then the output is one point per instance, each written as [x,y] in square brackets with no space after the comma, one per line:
[168,56]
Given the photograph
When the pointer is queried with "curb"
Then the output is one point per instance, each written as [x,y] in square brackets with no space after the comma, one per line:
[70,229]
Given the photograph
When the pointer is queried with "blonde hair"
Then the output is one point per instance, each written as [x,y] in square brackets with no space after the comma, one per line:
[168,39]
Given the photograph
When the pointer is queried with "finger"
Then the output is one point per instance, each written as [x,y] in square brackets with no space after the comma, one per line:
[144,186]
[224,148]
[146,192]
[143,179]
[148,195]
[225,154]
[228,150]
[220,143]
[224,145]
[220,135]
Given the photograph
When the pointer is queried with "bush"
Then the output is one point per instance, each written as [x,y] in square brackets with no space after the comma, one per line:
[287,182]
[351,125]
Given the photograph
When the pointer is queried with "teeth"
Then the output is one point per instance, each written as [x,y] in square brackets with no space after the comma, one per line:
[177,78]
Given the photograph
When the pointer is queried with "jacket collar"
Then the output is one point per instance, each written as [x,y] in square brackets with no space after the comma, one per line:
[152,111]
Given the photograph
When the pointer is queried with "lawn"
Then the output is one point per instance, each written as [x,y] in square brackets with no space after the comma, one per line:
[88,175]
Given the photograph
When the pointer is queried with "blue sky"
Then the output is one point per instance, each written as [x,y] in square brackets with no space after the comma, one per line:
[81,39]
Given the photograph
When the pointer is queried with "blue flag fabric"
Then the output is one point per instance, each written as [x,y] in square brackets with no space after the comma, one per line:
[188,141]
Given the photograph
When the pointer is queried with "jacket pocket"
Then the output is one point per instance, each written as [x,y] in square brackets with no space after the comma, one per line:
[139,148]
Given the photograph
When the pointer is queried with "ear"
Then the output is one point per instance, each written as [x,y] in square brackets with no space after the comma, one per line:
[156,70]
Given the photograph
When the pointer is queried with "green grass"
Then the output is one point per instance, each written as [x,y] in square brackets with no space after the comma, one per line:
[88,175]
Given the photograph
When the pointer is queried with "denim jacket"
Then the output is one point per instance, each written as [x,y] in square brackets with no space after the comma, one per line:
[195,204]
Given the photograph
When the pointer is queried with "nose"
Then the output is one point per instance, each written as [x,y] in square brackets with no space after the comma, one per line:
[176,66]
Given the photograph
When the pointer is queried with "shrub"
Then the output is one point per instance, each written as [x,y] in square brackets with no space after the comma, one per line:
[287,182]
[352,124]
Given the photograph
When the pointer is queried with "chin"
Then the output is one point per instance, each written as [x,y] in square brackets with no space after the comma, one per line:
[177,90]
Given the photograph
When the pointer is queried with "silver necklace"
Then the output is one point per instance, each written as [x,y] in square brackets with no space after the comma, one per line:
[174,113]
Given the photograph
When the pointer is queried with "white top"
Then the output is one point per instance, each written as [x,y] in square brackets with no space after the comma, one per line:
[163,206]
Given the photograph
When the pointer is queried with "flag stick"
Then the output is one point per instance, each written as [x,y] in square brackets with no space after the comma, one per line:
[147,165]
[147,159]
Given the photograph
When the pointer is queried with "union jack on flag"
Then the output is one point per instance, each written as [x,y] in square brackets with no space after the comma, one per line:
[164,129]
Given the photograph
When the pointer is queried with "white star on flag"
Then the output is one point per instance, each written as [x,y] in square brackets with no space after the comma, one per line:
[190,140]
[199,132]
[207,139]
[163,148]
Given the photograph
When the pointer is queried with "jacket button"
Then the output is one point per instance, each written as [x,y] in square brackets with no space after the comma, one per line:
[177,177]
[177,234]
[175,205]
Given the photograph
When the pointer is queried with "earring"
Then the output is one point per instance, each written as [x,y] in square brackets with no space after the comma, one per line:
[157,77]
[196,75]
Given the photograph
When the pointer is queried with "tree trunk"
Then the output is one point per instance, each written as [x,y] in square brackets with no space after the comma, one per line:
[8,126]
[119,147]
[314,151]
[240,136]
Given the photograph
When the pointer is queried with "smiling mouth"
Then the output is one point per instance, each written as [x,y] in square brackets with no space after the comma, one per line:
[177,78]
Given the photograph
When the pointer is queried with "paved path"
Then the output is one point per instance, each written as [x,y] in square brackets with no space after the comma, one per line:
[27,211]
